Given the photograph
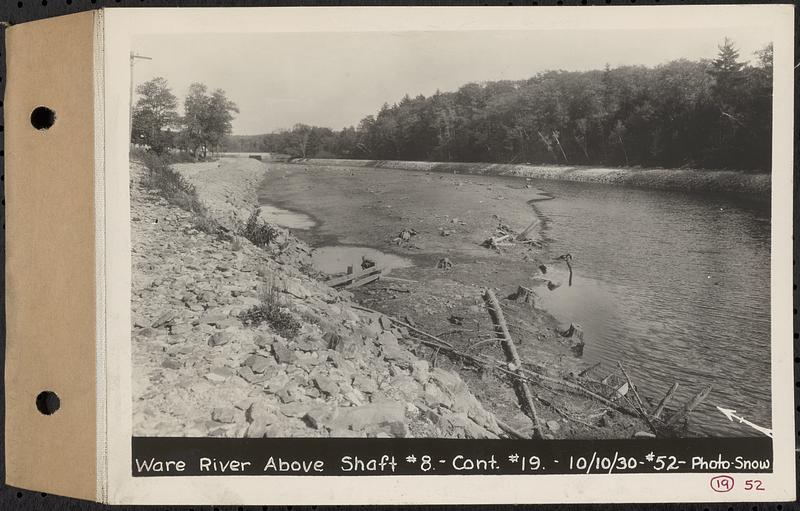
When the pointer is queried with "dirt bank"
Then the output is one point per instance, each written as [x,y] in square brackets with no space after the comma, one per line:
[727,181]
[199,370]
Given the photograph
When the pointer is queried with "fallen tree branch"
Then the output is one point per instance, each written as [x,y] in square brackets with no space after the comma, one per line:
[525,390]
[640,408]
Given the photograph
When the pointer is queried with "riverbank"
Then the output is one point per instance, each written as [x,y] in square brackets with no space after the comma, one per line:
[202,366]
[726,181]
[424,218]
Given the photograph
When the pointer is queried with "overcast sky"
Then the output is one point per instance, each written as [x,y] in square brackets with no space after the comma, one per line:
[336,79]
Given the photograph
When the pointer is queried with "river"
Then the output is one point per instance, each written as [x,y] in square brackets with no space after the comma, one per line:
[675,285]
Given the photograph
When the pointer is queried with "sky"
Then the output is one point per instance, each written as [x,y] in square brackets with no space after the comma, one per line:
[336,79]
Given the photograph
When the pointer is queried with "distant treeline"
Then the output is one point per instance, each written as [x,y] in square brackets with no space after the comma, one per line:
[707,114]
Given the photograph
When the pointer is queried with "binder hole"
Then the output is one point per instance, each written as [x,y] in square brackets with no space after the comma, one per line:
[42,118]
[47,402]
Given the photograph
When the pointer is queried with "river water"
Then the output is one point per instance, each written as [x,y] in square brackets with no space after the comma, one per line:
[674,284]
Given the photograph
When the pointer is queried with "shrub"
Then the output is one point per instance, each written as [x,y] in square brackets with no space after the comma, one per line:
[269,311]
[259,232]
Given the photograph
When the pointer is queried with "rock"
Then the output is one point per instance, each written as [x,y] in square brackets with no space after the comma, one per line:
[229,323]
[261,413]
[553,285]
[553,426]
[420,369]
[295,409]
[210,319]
[387,338]
[288,393]
[180,329]
[295,289]
[319,416]
[385,323]
[258,364]
[256,430]
[147,332]
[309,343]
[283,354]
[326,385]
[171,363]
[263,340]
[365,384]
[220,338]
[643,434]
[371,415]
[249,376]
[164,319]
[225,415]
[406,386]
[543,269]
[216,378]
[399,355]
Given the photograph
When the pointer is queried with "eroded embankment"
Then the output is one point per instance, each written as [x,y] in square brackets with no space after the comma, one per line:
[200,370]
[727,181]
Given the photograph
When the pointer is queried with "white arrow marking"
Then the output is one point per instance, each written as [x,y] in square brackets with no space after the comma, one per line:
[731,414]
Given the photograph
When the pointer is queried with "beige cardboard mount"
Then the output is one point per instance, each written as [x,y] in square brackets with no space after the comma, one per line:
[50,257]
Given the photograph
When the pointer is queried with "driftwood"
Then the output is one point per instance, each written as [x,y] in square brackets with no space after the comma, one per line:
[397,279]
[664,400]
[690,406]
[495,242]
[639,404]
[481,360]
[525,390]
[524,234]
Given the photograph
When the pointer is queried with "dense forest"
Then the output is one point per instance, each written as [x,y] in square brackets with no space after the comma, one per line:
[713,113]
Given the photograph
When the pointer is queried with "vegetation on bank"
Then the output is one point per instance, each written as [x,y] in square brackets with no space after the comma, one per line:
[271,311]
[172,186]
[714,114]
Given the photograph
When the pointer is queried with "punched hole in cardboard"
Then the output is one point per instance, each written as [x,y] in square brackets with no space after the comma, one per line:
[48,402]
[42,118]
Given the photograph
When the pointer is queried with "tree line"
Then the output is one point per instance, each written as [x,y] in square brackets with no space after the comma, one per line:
[206,121]
[714,113]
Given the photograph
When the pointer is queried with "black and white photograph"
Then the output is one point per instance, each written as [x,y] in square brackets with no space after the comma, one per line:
[523,234]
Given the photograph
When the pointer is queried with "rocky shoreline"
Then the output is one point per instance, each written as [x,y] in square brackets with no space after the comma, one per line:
[199,370]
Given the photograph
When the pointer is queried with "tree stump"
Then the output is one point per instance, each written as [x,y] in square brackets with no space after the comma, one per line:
[523,295]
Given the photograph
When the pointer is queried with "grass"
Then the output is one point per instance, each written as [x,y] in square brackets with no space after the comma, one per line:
[172,186]
[270,311]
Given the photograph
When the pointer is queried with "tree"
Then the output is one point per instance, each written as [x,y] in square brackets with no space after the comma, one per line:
[154,115]
[208,119]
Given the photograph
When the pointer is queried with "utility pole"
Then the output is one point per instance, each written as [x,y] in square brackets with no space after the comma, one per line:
[134,56]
